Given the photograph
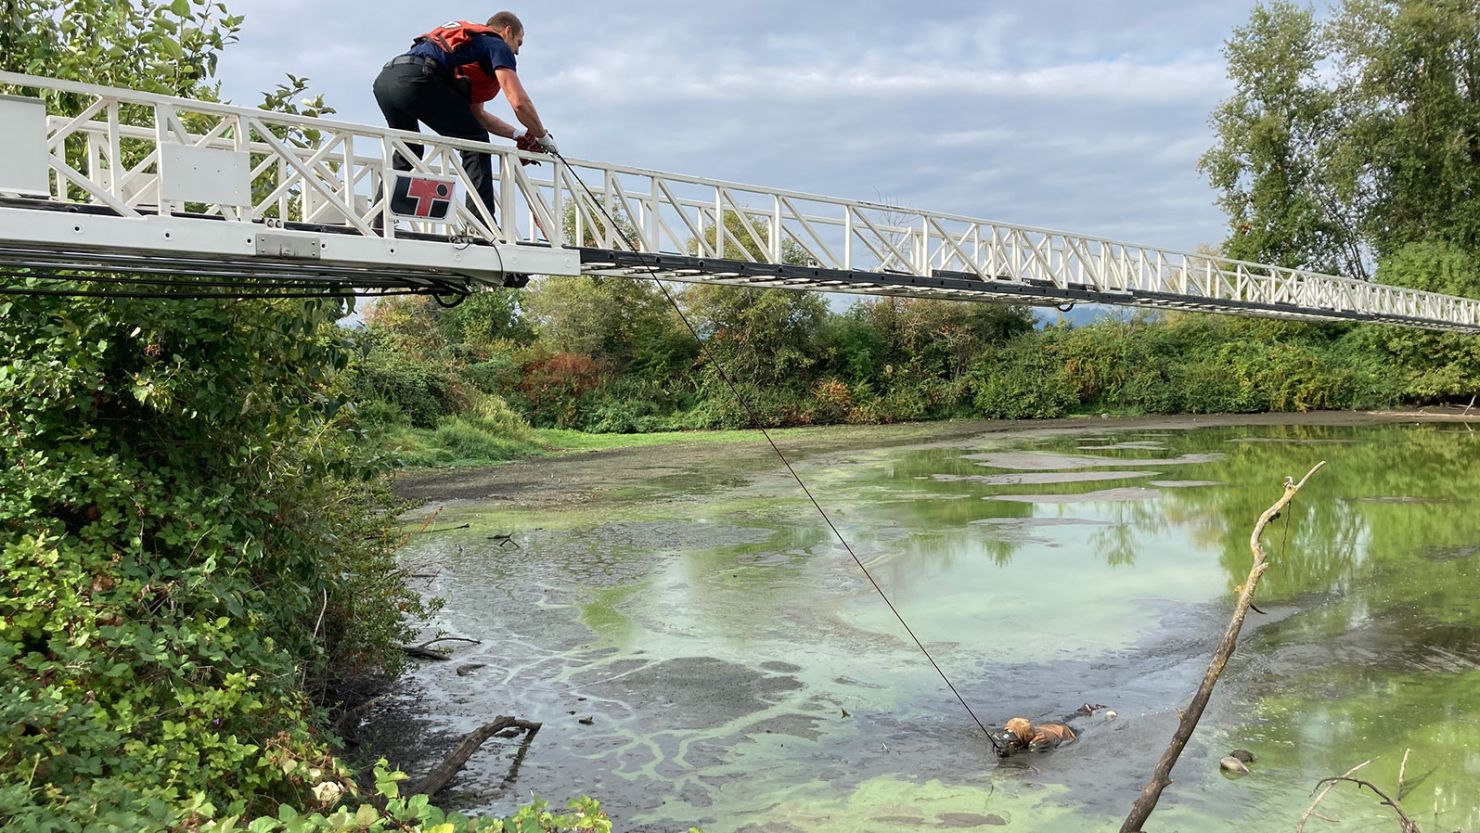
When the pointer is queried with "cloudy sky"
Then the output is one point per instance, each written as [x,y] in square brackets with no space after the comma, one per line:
[1080,115]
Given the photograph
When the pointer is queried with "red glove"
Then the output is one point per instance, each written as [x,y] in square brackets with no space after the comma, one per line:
[529,144]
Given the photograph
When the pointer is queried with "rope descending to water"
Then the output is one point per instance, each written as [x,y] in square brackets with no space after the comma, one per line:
[750,412]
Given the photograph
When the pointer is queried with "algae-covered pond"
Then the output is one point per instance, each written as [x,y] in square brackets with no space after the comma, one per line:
[701,652]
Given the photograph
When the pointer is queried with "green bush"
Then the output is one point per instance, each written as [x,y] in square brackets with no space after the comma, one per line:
[195,543]
[832,402]
[558,389]
[624,416]
[466,442]
[487,431]
[492,415]
[772,408]
[633,405]
[409,384]
[1023,381]
[336,807]
[498,374]
[380,414]
[905,403]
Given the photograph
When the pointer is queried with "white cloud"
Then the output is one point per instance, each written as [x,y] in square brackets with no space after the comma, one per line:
[1072,114]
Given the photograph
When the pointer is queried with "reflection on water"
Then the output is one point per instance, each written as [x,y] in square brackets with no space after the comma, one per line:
[717,660]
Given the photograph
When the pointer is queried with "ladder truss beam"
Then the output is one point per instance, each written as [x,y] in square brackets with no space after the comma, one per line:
[153,183]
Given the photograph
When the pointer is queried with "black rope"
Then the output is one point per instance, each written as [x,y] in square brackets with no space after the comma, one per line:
[754,420]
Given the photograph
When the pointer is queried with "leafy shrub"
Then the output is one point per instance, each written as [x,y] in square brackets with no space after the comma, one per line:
[867,412]
[422,390]
[614,415]
[492,415]
[499,373]
[379,413]
[635,404]
[556,387]
[1024,381]
[772,408]
[193,541]
[905,402]
[337,806]
[465,442]
[832,400]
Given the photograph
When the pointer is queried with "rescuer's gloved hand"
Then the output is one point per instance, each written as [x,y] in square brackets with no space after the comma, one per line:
[547,144]
[528,144]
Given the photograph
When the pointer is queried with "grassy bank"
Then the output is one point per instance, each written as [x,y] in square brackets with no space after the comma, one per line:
[463,445]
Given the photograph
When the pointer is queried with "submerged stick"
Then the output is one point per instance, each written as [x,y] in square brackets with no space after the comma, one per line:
[442,529]
[443,772]
[1408,824]
[1161,777]
[1300,826]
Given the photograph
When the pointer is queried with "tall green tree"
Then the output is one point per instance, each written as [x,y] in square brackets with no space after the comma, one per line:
[194,544]
[612,320]
[1411,73]
[1346,140]
[763,337]
[1276,166]
[158,47]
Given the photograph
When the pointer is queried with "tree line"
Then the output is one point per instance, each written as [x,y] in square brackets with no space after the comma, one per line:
[610,355]
[1351,145]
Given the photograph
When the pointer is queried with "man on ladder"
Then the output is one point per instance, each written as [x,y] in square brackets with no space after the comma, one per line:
[443,82]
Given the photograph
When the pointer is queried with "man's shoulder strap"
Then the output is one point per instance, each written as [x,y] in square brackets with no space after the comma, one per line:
[454,33]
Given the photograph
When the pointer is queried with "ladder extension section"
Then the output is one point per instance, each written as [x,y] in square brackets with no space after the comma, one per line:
[138,183]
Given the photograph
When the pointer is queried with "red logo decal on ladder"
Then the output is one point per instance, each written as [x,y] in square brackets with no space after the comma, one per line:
[421,197]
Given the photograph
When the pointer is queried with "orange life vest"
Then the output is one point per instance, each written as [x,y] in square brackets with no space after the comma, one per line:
[453,34]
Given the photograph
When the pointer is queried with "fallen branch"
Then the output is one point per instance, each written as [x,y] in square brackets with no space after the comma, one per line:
[442,529]
[424,651]
[518,761]
[1161,777]
[1407,823]
[1300,826]
[443,772]
[430,642]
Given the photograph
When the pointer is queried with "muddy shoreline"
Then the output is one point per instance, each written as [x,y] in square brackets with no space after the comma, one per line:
[681,623]
[578,478]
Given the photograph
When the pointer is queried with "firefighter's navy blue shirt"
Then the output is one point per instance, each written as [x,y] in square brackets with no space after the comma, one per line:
[488,51]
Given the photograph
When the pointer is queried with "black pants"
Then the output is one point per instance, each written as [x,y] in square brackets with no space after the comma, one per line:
[412,93]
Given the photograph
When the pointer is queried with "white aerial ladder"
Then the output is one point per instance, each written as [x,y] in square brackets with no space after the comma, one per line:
[148,185]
